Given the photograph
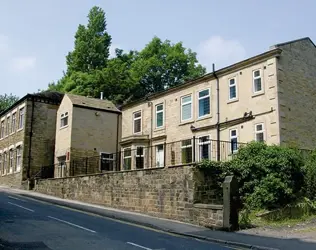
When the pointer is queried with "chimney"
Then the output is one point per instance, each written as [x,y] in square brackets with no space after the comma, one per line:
[101,96]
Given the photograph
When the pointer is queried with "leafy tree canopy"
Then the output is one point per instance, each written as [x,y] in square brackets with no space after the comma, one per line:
[7,100]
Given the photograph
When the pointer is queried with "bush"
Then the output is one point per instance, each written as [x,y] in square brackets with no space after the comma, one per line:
[269,176]
[310,176]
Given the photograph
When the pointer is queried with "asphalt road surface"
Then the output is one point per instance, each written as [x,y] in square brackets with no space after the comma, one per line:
[30,224]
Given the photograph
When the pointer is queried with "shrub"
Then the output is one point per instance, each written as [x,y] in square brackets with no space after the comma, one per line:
[310,176]
[269,176]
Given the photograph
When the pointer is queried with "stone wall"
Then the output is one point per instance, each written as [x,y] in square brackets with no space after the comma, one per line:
[168,193]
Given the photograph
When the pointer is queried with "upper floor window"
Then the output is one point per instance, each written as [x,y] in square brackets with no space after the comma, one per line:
[64,120]
[257,82]
[232,89]
[186,108]
[2,129]
[21,118]
[159,116]
[137,122]
[13,123]
[7,129]
[259,132]
[204,103]
[233,140]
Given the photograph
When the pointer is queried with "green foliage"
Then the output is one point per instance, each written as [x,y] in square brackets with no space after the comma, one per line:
[7,100]
[269,176]
[310,176]
[128,76]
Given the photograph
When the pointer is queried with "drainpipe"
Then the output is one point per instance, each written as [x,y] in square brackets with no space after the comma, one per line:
[118,156]
[151,135]
[30,141]
[218,116]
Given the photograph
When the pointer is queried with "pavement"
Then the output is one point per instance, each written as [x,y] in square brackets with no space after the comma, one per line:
[115,229]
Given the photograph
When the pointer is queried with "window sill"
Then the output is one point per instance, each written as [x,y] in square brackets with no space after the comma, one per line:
[204,117]
[232,101]
[64,127]
[12,133]
[257,94]
[159,129]
[186,122]
[20,129]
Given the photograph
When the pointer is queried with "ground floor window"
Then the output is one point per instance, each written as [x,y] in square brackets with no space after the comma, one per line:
[204,144]
[127,159]
[233,140]
[107,162]
[0,164]
[18,159]
[5,161]
[139,157]
[259,132]
[160,153]
[186,151]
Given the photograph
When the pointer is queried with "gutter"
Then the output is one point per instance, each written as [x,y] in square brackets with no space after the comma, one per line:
[30,141]
[218,115]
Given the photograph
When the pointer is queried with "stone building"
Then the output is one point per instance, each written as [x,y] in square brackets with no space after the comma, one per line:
[27,137]
[87,130]
[270,97]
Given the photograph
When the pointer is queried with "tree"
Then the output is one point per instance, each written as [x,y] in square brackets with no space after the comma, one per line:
[92,45]
[161,65]
[7,100]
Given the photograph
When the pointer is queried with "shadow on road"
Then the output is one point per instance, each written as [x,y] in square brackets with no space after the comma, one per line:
[5,245]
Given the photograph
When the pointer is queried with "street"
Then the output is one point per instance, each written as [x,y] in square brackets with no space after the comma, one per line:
[30,224]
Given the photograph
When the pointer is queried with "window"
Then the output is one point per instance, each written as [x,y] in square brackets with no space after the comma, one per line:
[204,103]
[11,161]
[186,151]
[233,141]
[64,120]
[18,159]
[257,83]
[204,148]
[7,126]
[127,159]
[137,116]
[160,153]
[232,89]
[259,132]
[107,162]
[4,166]
[2,130]
[139,157]
[159,116]
[186,108]
[21,118]
[13,123]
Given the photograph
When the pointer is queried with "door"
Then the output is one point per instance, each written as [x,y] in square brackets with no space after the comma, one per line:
[160,158]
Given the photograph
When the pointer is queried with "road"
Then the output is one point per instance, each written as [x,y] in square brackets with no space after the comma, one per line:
[30,224]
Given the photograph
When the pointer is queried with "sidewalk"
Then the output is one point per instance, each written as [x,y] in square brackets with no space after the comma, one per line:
[237,239]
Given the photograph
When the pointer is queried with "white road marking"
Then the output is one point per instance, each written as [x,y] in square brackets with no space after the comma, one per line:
[136,245]
[21,206]
[12,197]
[69,223]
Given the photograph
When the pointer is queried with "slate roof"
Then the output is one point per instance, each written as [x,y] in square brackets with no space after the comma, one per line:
[92,103]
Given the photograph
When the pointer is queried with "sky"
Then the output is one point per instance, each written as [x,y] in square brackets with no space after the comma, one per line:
[36,35]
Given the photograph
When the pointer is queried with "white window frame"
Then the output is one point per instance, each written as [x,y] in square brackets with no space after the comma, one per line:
[64,116]
[11,160]
[163,114]
[253,81]
[7,126]
[127,157]
[107,158]
[2,129]
[204,97]
[260,131]
[136,119]
[233,137]
[18,163]
[1,161]
[141,156]
[5,163]
[13,124]
[230,86]
[186,103]
[187,146]
[163,150]
[209,142]
[21,118]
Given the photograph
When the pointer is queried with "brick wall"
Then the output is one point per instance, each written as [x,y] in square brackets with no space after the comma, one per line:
[167,193]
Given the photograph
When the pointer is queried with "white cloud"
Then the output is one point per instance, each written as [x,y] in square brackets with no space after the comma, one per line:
[220,51]
[23,63]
